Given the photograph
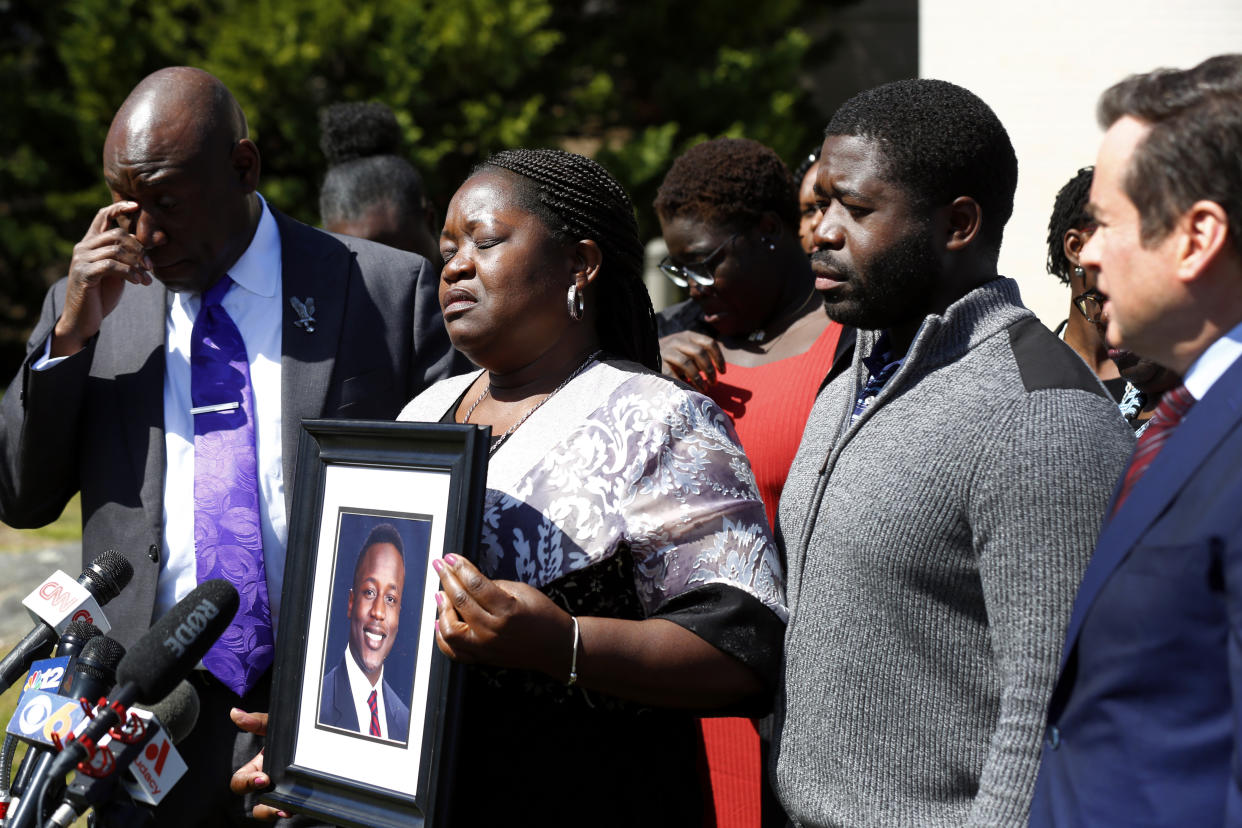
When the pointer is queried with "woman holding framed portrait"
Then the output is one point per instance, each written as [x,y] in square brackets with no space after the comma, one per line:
[627,579]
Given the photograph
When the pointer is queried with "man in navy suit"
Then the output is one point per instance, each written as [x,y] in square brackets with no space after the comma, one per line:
[354,694]
[1143,725]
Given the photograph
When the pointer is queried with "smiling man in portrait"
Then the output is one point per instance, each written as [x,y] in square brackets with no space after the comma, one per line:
[354,695]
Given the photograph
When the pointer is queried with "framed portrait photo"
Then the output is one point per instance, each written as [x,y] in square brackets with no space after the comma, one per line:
[360,694]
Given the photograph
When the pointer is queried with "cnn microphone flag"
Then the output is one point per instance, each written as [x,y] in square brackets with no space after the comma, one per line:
[60,600]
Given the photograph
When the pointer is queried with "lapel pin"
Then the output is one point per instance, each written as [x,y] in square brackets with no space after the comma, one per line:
[305,311]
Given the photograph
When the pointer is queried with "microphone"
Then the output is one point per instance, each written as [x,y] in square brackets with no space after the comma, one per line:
[95,670]
[47,675]
[74,638]
[93,675]
[156,765]
[158,662]
[178,711]
[103,580]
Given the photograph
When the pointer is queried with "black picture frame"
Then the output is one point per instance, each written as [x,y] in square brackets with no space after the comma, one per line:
[420,473]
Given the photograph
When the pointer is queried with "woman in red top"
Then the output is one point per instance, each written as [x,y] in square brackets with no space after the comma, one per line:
[754,337]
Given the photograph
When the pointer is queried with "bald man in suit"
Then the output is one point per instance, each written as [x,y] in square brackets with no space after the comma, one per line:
[105,402]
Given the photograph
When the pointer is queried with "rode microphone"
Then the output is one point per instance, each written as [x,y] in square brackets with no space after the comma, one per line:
[157,663]
[103,580]
[154,764]
[93,675]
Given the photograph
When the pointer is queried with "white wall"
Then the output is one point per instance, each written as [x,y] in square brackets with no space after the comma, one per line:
[1041,67]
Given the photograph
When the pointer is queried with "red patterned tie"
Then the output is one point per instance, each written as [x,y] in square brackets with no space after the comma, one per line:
[1173,406]
[371,703]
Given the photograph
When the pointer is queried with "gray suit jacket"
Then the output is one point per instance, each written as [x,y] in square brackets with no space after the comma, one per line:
[95,423]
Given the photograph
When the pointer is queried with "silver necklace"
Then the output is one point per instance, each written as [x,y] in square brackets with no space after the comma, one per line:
[761,334]
[488,390]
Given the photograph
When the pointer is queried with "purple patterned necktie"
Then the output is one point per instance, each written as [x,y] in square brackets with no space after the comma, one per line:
[1169,412]
[371,703]
[228,542]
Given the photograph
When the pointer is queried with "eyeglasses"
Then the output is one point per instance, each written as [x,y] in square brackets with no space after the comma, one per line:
[702,272]
[1090,303]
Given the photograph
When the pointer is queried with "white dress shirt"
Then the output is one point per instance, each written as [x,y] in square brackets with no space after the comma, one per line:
[360,689]
[254,303]
[1213,363]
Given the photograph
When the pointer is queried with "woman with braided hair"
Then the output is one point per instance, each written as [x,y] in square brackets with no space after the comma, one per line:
[627,578]
[627,575]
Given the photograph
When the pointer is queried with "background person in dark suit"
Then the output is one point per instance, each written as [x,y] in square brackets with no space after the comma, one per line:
[1143,726]
[373,611]
[103,403]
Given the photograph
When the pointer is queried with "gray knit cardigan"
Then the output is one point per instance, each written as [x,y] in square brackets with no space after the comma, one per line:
[934,548]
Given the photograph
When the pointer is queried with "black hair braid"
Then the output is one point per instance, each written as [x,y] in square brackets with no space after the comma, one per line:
[578,199]
[1069,212]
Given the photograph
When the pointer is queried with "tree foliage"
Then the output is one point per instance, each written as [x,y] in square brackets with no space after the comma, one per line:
[630,84]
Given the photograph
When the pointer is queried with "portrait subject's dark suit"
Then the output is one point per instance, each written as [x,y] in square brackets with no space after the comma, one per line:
[1143,726]
[94,423]
[336,705]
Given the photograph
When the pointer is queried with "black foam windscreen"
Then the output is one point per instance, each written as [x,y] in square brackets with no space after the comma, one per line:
[95,668]
[102,653]
[75,637]
[178,711]
[84,630]
[109,573]
[178,641]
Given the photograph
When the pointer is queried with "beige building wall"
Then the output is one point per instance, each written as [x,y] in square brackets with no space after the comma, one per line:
[1041,66]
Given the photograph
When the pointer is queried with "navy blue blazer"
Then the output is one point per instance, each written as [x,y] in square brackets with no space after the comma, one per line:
[1144,719]
[336,705]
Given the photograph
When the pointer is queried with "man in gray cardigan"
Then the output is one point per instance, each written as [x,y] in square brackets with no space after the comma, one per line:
[947,492]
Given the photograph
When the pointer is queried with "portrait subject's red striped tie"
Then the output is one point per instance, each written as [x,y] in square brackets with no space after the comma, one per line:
[1172,408]
[371,703]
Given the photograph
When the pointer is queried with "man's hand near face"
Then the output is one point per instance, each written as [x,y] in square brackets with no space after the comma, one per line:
[103,261]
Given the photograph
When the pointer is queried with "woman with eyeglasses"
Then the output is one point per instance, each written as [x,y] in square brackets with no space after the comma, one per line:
[754,337]
[1136,383]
